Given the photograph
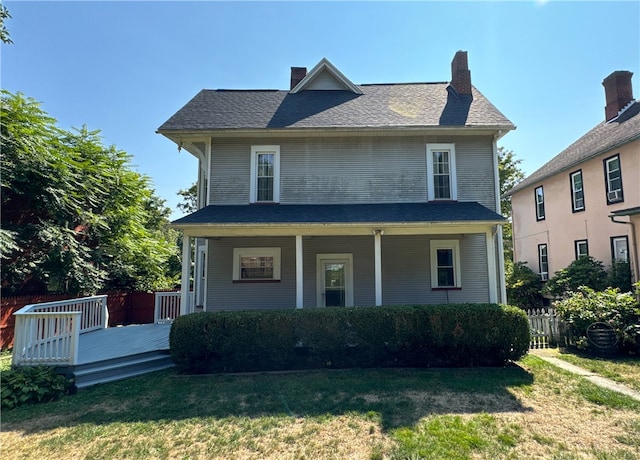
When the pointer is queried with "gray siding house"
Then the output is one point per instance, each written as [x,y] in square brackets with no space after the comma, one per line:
[336,194]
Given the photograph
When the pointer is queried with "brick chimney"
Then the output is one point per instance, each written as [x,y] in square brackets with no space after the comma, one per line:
[618,92]
[460,74]
[297,74]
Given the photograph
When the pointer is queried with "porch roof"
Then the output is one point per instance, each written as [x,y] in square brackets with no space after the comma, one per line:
[336,214]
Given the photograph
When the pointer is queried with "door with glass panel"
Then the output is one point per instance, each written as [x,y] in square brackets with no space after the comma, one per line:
[335,280]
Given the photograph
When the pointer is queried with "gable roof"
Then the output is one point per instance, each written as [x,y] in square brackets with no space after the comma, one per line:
[417,105]
[602,138]
[325,68]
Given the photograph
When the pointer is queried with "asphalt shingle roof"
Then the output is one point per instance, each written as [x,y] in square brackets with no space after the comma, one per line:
[380,106]
[603,137]
[341,214]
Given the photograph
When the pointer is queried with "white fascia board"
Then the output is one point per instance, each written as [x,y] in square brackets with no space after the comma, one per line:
[321,66]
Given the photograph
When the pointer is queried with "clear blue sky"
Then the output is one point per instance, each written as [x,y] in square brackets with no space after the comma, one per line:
[126,67]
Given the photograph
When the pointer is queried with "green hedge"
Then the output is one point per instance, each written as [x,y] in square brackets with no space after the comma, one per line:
[400,336]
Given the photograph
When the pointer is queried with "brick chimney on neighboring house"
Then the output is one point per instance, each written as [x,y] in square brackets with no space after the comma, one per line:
[460,74]
[618,92]
[297,74]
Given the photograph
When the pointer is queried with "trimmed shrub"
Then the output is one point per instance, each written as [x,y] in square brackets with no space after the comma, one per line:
[581,309]
[584,271]
[403,336]
[30,385]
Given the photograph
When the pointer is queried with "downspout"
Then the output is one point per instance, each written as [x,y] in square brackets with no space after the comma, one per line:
[633,242]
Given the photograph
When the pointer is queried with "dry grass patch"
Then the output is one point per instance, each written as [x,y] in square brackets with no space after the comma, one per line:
[532,411]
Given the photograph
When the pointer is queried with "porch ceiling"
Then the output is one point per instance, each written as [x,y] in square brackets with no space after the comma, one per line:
[339,219]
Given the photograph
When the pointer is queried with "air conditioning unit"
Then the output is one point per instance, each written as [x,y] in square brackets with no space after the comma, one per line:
[544,276]
[614,195]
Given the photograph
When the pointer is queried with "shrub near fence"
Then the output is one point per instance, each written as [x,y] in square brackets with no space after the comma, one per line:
[402,336]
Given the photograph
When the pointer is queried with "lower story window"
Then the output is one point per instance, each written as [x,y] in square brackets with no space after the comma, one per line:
[582,248]
[620,248]
[445,263]
[256,264]
[543,262]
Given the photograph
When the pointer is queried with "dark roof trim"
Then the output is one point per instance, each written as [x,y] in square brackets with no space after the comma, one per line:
[626,212]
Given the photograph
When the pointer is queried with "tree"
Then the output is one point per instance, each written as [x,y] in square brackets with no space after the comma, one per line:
[4,33]
[509,174]
[75,217]
[189,199]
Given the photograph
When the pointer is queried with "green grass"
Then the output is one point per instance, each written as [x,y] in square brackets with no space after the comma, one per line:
[370,414]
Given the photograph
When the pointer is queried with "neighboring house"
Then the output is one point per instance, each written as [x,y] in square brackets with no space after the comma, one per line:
[336,194]
[586,200]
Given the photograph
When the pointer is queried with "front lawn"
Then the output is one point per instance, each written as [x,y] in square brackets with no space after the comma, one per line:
[532,410]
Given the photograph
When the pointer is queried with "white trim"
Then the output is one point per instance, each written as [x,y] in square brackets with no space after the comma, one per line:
[253,186]
[377,247]
[299,273]
[496,184]
[209,159]
[454,246]
[491,267]
[185,287]
[337,258]
[238,253]
[453,182]
[322,66]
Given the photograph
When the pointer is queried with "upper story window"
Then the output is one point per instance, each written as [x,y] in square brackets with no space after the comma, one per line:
[539,195]
[265,174]
[577,191]
[613,179]
[441,172]
[445,263]
[543,262]
[582,248]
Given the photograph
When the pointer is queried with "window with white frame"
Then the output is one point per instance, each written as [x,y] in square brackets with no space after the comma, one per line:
[543,262]
[445,264]
[613,179]
[620,248]
[265,174]
[582,248]
[577,191]
[441,172]
[256,264]
[539,196]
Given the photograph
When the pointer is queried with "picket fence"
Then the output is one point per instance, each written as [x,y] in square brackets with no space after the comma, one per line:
[544,326]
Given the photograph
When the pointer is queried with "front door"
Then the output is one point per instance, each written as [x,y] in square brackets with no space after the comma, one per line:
[335,280]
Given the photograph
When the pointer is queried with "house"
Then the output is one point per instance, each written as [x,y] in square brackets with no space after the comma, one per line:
[585,200]
[337,194]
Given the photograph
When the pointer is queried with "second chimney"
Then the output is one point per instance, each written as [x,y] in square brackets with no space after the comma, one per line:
[297,74]
[618,92]
[460,74]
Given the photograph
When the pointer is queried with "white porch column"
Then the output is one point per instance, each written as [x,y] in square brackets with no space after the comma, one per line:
[491,267]
[377,240]
[186,271]
[299,273]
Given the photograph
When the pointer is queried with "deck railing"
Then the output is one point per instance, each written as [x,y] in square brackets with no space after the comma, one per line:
[48,333]
[167,306]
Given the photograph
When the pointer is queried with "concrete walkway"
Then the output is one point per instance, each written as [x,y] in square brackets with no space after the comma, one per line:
[549,355]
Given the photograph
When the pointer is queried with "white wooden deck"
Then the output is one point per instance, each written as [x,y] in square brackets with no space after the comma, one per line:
[117,342]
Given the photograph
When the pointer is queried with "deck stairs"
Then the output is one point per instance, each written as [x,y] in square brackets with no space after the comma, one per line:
[119,368]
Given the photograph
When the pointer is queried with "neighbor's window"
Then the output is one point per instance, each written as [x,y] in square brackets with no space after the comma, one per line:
[539,195]
[543,262]
[441,172]
[613,179]
[265,174]
[620,248]
[445,263]
[256,264]
[577,191]
[582,248]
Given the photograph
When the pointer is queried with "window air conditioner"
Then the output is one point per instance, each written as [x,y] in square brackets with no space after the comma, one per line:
[614,195]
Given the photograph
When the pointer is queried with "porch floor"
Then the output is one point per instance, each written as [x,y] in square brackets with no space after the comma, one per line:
[118,342]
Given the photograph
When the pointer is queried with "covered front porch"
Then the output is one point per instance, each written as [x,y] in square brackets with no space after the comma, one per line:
[280,256]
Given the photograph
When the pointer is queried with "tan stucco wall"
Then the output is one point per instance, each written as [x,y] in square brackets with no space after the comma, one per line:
[562,227]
